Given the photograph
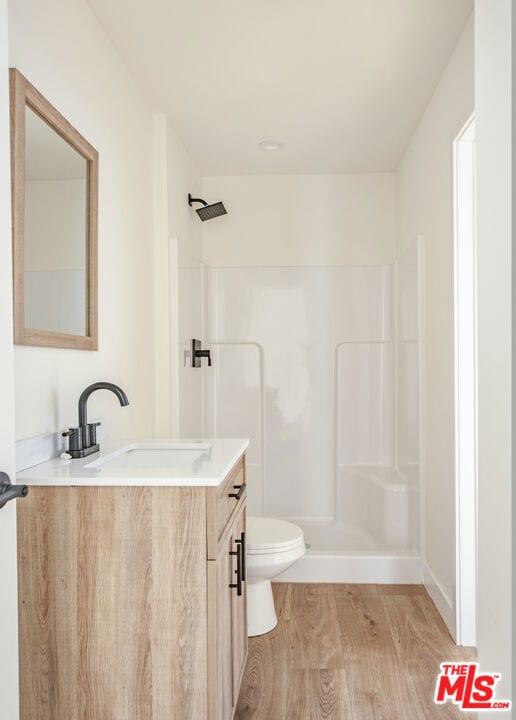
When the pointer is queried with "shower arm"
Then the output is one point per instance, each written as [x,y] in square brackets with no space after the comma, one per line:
[196,200]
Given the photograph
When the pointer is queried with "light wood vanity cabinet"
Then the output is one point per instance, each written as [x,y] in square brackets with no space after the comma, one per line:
[125,605]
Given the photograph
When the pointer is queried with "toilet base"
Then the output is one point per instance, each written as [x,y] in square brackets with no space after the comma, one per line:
[261,613]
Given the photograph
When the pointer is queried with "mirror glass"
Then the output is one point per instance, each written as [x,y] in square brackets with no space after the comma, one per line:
[56,231]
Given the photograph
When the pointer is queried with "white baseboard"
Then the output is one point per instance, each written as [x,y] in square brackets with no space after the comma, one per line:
[441,600]
[343,568]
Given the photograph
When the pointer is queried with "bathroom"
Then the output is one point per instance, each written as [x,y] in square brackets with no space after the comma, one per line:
[325,299]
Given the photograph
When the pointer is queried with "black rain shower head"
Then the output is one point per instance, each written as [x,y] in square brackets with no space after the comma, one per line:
[207,212]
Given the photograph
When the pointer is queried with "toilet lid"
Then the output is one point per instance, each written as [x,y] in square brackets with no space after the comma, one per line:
[266,534]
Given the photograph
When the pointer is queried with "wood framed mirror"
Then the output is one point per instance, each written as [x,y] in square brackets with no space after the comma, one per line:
[54,177]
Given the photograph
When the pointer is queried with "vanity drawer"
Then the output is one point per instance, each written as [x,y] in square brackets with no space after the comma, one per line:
[223,503]
[229,493]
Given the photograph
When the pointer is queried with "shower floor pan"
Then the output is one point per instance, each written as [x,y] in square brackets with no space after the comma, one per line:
[358,559]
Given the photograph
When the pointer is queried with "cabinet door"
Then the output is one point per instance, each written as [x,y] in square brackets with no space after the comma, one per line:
[227,618]
[239,609]
[225,576]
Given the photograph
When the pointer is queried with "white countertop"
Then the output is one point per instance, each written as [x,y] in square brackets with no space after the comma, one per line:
[151,462]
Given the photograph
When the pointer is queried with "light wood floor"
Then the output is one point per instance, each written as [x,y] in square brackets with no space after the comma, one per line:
[359,652]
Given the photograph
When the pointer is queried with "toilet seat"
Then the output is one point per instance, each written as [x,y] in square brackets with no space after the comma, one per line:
[269,535]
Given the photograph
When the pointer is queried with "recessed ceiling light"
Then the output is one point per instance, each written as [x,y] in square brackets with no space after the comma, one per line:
[271,145]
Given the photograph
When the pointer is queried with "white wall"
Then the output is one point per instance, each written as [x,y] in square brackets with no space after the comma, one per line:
[285,220]
[62,50]
[183,178]
[494,226]
[177,262]
[425,207]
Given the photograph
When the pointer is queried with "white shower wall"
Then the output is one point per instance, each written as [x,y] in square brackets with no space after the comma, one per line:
[318,367]
[296,320]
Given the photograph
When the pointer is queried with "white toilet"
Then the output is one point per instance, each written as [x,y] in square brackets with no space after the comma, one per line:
[272,547]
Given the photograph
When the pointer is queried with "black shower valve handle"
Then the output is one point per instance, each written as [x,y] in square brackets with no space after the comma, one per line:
[205,354]
[198,353]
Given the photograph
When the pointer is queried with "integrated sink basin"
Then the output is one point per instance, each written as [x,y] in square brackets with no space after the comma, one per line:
[175,456]
[197,462]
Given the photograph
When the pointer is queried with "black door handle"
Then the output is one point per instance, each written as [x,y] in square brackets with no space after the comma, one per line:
[242,556]
[238,571]
[9,491]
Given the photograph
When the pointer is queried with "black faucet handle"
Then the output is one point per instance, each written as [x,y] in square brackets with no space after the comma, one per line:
[92,427]
[74,436]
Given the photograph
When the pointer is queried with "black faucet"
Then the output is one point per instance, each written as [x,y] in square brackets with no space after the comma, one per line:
[83,439]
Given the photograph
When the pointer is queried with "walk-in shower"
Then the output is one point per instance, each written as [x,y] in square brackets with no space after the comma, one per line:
[318,366]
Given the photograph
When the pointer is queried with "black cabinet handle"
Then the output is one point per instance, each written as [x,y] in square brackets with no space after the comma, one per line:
[238,571]
[10,492]
[241,490]
[242,556]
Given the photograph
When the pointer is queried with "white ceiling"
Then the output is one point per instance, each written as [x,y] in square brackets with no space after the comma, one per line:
[342,82]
